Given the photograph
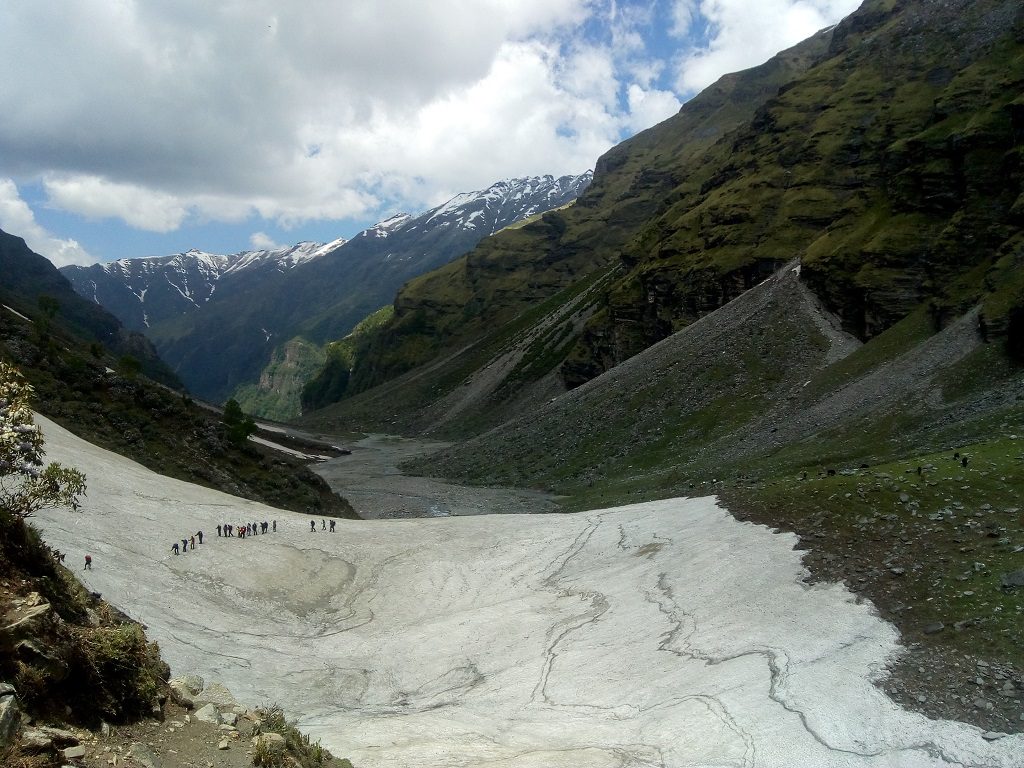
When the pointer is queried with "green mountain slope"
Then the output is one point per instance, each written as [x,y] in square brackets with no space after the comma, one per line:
[885,153]
[517,269]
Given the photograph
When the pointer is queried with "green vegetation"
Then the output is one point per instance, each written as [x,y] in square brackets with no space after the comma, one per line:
[929,537]
[238,426]
[298,749]
[331,382]
[26,485]
[277,394]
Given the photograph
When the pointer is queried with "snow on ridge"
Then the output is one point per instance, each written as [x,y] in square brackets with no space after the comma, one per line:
[384,228]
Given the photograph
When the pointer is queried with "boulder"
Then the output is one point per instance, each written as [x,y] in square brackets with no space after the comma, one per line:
[208,714]
[74,753]
[181,694]
[230,718]
[10,718]
[35,741]
[1012,580]
[26,622]
[193,682]
[215,693]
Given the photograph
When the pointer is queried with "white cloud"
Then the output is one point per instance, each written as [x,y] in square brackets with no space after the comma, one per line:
[95,197]
[649,107]
[16,218]
[159,114]
[263,242]
[745,33]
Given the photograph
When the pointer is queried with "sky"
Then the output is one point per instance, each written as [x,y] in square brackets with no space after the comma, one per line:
[136,128]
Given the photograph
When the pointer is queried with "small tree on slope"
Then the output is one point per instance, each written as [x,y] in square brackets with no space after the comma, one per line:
[26,484]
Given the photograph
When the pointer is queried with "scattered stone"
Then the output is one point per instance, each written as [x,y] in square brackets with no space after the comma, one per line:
[74,753]
[934,628]
[223,744]
[230,718]
[1012,580]
[992,736]
[142,754]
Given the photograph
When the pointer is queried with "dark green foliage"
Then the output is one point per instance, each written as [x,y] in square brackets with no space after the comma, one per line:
[128,366]
[237,425]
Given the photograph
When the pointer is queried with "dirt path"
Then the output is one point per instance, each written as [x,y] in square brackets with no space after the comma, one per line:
[370,479]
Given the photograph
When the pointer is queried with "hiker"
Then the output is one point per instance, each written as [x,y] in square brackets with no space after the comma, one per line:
[323,525]
[332,526]
[312,526]
[275,526]
[218,531]
[192,541]
[175,548]
[200,535]
[184,545]
[963,462]
[263,526]
[88,563]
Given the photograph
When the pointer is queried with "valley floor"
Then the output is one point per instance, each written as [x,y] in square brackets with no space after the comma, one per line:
[664,633]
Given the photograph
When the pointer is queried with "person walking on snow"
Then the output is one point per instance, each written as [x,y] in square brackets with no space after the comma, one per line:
[275,526]
[175,548]
[200,535]
[312,526]
[218,530]
[184,545]
[192,541]
[88,563]
[332,526]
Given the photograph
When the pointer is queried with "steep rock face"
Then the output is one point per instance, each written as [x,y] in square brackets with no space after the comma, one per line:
[892,167]
[276,394]
[508,274]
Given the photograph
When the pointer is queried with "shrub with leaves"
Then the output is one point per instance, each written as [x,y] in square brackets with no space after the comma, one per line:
[26,484]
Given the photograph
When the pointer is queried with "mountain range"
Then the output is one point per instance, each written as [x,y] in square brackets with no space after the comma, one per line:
[803,293]
[217,320]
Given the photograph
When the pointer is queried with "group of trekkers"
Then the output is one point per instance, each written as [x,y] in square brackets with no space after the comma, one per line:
[241,532]
[225,530]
